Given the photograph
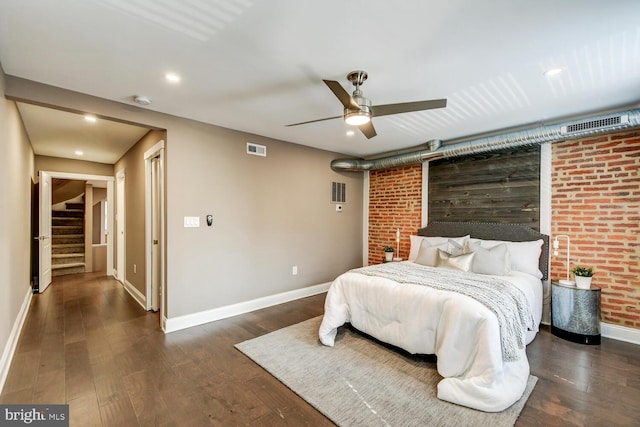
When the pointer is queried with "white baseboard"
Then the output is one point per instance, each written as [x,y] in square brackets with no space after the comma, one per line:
[12,342]
[620,333]
[202,317]
[136,294]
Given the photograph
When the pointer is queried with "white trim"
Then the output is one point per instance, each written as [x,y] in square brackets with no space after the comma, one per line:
[12,341]
[366,186]
[120,240]
[620,333]
[135,293]
[202,317]
[425,194]
[156,151]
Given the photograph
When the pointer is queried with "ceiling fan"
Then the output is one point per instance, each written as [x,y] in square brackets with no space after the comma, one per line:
[358,110]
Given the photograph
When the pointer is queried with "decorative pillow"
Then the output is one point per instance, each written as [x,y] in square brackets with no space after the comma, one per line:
[525,256]
[495,261]
[428,253]
[416,243]
[461,262]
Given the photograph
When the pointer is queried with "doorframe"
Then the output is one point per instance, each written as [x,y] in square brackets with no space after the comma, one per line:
[120,239]
[85,177]
[157,151]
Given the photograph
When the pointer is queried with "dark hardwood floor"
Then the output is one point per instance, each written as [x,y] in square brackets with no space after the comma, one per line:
[87,343]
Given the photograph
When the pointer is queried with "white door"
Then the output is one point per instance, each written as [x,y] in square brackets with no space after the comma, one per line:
[44,235]
[120,227]
[155,234]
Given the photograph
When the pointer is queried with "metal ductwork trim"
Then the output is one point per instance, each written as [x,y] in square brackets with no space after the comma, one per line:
[532,136]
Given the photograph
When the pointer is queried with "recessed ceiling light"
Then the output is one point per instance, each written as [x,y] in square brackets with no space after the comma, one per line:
[172,77]
[553,71]
[350,133]
[90,118]
[79,153]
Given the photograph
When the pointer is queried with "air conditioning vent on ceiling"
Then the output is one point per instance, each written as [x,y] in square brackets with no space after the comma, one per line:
[338,192]
[256,150]
[595,124]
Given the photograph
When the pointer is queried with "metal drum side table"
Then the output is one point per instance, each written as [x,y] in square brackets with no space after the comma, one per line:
[575,313]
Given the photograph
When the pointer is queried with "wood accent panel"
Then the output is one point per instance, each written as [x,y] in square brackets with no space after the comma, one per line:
[502,186]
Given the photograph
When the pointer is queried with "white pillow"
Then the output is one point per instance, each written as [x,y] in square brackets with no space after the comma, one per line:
[460,262]
[416,242]
[428,253]
[495,261]
[525,256]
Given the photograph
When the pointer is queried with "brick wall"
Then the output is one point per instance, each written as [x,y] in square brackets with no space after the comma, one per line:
[596,202]
[395,201]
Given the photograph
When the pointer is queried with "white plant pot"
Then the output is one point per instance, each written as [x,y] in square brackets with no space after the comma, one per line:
[583,282]
[388,256]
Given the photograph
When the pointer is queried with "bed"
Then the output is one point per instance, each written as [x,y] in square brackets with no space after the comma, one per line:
[470,293]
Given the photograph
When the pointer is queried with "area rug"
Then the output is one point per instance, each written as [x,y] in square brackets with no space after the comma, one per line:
[361,382]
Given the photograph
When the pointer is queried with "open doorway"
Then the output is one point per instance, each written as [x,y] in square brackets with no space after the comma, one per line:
[46,238]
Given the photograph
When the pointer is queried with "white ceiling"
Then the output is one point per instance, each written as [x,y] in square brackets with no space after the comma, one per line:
[257,65]
[58,133]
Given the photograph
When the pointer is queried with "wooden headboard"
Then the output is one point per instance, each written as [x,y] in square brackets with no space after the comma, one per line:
[492,231]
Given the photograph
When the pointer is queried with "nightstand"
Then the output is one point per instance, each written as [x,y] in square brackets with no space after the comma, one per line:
[575,313]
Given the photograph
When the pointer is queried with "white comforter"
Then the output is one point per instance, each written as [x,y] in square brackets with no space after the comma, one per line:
[462,332]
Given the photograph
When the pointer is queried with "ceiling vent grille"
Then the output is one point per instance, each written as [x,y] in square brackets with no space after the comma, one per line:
[595,124]
[338,192]
[256,150]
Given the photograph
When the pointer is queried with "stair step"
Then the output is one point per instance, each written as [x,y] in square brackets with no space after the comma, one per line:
[62,239]
[63,270]
[66,229]
[67,265]
[66,214]
[67,220]
[66,248]
[64,259]
[74,206]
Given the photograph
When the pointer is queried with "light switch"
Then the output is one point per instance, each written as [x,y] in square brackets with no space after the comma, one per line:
[191,221]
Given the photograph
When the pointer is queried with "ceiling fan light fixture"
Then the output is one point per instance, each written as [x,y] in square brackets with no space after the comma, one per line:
[357,117]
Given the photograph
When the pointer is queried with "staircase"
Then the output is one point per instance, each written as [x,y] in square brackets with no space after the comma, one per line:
[67,232]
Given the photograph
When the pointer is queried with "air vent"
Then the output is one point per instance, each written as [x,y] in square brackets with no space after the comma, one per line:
[595,124]
[256,150]
[338,192]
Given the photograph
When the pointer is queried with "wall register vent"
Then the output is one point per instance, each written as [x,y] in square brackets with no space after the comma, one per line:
[256,150]
[595,124]
[338,192]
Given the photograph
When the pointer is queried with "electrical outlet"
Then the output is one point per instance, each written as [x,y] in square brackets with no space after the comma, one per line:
[294,270]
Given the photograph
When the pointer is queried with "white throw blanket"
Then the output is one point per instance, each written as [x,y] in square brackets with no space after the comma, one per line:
[463,333]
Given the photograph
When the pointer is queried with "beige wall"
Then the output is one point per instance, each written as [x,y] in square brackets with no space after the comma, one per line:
[55,164]
[269,213]
[16,174]
[133,164]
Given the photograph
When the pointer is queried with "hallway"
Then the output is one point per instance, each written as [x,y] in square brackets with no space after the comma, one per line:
[86,342]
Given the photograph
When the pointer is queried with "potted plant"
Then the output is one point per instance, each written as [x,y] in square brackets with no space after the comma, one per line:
[583,276]
[388,253]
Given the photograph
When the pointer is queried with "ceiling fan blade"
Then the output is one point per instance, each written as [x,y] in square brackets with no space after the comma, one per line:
[407,107]
[368,130]
[344,97]
[313,121]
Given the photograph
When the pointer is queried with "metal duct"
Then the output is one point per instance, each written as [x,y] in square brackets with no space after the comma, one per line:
[538,135]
